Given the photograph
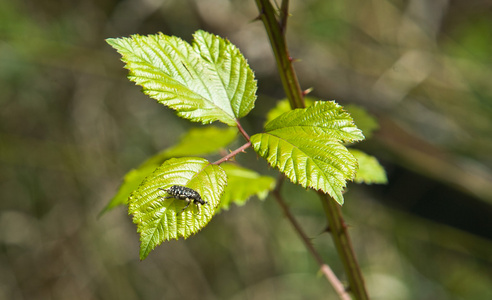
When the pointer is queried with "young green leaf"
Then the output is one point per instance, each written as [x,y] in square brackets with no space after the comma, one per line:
[325,118]
[242,184]
[370,171]
[283,106]
[362,119]
[207,81]
[306,145]
[160,219]
[196,142]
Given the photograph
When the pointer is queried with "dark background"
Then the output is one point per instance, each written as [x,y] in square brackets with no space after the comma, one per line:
[71,126]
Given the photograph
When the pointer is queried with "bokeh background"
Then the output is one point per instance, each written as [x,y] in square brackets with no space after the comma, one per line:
[71,126]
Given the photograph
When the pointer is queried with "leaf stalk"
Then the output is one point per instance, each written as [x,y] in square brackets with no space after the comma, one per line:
[242,131]
[232,154]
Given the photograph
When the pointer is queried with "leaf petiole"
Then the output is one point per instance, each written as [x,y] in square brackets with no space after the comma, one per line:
[232,154]
[242,131]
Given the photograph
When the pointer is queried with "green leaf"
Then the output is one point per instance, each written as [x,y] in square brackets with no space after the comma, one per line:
[306,145]
[326,118]
[197,141]
[242,184]
[283,106]
[159,219]
[362,119]
[206,81]
[370,171]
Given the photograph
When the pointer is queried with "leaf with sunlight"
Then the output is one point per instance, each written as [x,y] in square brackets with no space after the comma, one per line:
[362,119]
[306,145]
[159,219]
[196,142]
[283,106]
[242,184]
[207,81]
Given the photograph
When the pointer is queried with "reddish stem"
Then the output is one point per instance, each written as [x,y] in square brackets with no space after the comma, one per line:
[232,154]
[240,128]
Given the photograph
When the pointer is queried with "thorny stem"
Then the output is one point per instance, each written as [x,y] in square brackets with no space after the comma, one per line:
[325,269]
[238,150]
[276,34]
[232,154]
[342,242]
[284,14]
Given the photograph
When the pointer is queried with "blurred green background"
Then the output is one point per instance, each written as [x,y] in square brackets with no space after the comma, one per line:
[72,125]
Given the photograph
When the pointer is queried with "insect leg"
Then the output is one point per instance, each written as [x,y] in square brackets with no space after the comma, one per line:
[188,204]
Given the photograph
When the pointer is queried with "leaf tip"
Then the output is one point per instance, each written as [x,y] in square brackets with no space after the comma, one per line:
[113,42]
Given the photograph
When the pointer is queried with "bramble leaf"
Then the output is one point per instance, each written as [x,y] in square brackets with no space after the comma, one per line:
[159,219]
[324,117]
[370,171]
[196,142]
[306,145]
[362,119]
[242,184]
[207,81]
[283,106]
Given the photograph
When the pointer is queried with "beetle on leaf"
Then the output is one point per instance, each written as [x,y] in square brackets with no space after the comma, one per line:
[186,194]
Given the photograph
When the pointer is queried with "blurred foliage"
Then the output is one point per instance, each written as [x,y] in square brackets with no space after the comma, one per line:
[71,126]
[370,170]
[242,184]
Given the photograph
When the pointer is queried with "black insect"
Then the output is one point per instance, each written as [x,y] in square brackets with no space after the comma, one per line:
[186,194]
